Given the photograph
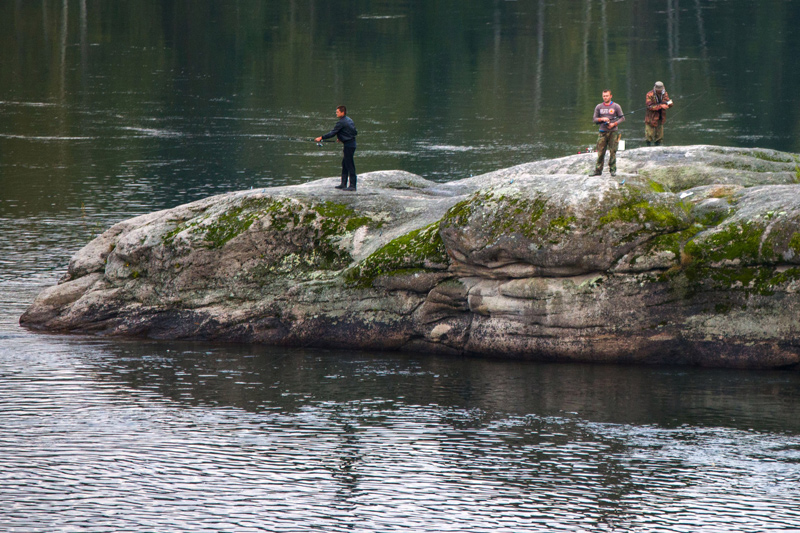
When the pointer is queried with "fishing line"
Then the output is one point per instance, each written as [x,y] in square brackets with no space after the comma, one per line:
[673,113]
[630,113]
[143,152]
[683,107]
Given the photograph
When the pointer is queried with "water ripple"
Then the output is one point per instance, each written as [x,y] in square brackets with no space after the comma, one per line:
[102,452]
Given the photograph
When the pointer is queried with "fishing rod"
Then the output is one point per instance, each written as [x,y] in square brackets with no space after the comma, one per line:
[616,119]
[630,113]
[695,97]
[301,140]
[667,102]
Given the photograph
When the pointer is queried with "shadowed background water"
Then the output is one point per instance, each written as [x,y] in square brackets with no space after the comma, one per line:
[113,109]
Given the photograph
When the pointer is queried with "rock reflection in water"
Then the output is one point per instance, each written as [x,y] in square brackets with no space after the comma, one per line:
[257,378]
[150,436]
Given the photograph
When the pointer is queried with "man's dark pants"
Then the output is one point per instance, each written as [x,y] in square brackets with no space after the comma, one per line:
[349,166]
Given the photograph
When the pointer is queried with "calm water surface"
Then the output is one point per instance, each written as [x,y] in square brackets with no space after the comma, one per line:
[114,109]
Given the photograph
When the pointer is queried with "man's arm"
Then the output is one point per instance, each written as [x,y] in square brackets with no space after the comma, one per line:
[331,133]
[653,104]
[334,131]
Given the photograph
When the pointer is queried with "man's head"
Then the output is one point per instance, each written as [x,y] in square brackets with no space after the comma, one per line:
[606,96]
[658,87]
[341,111]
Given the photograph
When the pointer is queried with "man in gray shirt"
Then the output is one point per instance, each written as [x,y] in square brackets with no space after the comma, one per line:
[609,115]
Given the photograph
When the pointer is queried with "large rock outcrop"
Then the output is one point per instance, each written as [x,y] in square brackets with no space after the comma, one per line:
[695,259]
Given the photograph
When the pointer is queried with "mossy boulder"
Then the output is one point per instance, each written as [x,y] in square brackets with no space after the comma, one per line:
[695,259]
[556,225]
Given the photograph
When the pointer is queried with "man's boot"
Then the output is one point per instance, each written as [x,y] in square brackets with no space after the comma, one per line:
[352,186]
[342,185]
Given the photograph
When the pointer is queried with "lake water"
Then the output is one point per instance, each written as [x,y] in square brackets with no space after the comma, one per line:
[114,109]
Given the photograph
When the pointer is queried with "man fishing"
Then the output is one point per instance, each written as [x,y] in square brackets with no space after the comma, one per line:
[657,102]
[609,115]
[345,132]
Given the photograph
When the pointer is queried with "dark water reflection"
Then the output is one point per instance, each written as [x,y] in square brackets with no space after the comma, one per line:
[113,109]
[149,436]
[260,378]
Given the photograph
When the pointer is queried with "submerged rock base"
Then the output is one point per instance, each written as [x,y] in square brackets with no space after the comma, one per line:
[695,259]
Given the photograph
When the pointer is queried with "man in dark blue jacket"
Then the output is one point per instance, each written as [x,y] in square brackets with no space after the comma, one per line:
[345,132]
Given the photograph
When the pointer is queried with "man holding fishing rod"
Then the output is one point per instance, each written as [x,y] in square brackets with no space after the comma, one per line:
[345,132]
[609,115]
[657,102]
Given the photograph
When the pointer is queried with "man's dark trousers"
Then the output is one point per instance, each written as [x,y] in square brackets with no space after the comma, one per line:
[349,166]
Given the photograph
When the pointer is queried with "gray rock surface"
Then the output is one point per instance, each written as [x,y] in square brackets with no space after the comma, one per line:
[695,259]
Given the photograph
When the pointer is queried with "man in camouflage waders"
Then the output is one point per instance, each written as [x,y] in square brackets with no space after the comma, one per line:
[609,115]
[657,102]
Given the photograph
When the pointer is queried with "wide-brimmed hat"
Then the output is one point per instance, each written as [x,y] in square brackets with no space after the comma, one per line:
[658,86]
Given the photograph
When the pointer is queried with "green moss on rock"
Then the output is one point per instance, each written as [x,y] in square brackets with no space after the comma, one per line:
[227,226]
[460,214]
[671,242]
[637,208]
[794,243]
[562,223]
[713,218]
[499,214]
[279,215]
[332,211]
[740,241]
[751,280]
[419,250]
[656,186]
[740,165]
